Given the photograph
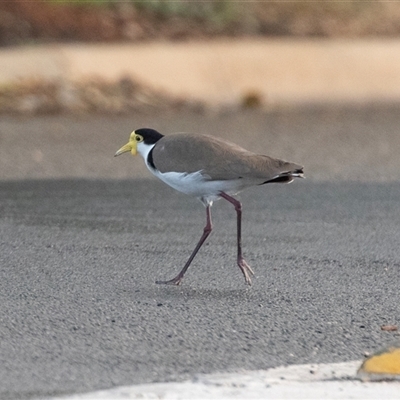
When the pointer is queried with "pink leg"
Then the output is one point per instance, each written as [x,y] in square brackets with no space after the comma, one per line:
[207,230]
[244,267]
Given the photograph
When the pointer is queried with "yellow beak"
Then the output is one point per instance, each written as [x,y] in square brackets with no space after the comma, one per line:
[130,146]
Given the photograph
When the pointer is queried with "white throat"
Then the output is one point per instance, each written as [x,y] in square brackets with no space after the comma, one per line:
[144,150]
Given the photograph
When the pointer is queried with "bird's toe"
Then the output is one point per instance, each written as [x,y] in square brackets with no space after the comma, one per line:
[175,281]
[246,270]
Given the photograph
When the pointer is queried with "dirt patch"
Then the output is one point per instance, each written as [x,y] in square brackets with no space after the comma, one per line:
[38,97]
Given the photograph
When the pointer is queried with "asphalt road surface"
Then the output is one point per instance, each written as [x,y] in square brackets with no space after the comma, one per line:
[79,309]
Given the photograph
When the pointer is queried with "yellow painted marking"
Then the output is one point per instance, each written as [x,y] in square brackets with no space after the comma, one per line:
[386,362]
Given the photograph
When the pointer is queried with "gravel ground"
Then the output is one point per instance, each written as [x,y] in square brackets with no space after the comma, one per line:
[83,237]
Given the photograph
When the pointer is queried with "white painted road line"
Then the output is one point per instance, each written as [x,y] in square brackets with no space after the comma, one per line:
[309,381]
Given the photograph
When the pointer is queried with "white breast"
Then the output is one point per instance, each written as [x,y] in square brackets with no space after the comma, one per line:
[194,184]
[197,185]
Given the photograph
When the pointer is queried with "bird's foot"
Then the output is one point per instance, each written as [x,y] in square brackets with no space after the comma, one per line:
[246,270]
[175,281]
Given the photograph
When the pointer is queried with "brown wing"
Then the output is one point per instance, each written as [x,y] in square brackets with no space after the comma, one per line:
[217,159]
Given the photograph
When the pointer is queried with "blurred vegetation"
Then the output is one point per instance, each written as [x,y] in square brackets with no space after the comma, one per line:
[24,21]
[248,13]
[217,12]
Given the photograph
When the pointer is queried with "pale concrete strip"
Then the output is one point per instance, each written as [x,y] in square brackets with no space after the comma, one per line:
[224,71]
[312,381]
[31,62]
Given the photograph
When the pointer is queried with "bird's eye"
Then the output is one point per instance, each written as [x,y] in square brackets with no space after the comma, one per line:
[139,138]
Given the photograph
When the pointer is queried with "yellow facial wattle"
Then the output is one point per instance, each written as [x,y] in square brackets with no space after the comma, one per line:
[130,146]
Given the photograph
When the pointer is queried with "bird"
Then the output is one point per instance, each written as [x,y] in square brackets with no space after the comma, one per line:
[207,168]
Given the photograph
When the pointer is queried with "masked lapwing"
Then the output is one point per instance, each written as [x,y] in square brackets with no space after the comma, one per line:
[207,168]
